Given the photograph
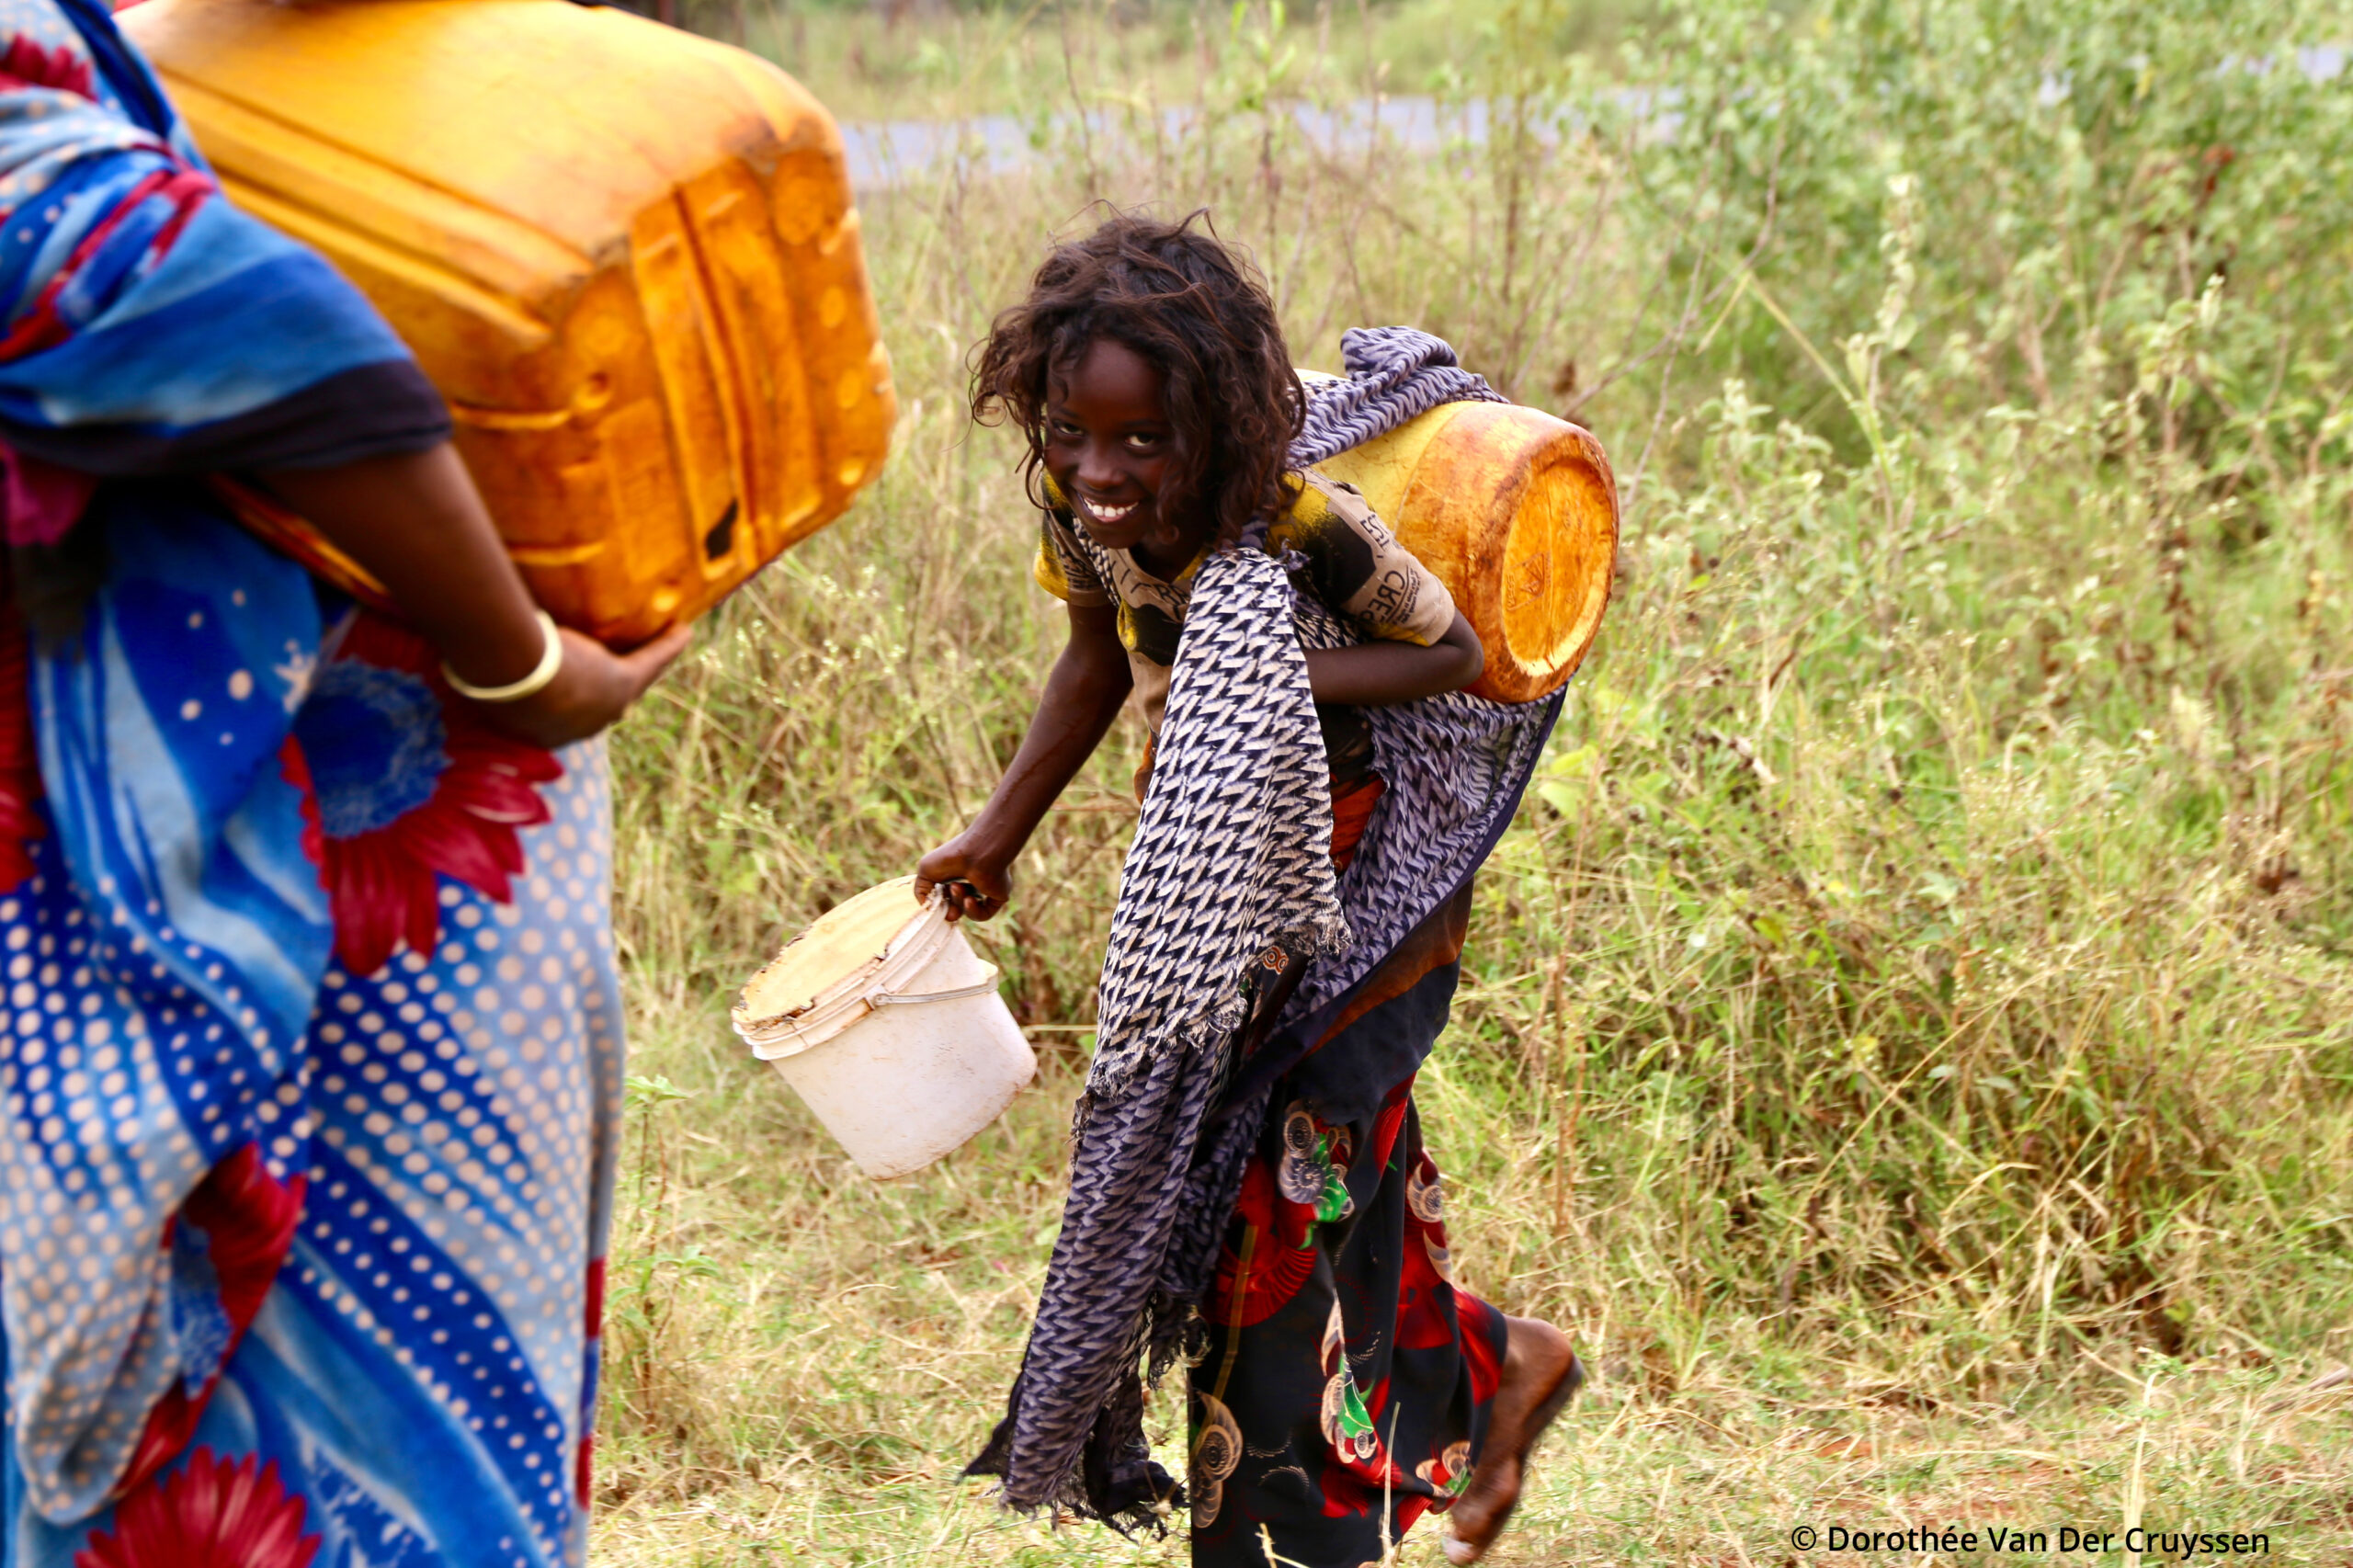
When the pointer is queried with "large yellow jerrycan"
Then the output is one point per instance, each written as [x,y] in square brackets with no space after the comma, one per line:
[1516,512]
[626,255]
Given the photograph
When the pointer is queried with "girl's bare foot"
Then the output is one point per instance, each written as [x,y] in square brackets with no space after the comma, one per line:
[1540,1374]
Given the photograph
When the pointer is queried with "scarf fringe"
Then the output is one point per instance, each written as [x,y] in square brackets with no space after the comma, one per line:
[1116,1482]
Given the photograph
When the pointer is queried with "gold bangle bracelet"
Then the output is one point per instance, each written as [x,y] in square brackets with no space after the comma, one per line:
[551,661]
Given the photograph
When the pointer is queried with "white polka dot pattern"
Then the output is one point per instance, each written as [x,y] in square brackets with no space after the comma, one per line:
[452,1122]
[468,1106]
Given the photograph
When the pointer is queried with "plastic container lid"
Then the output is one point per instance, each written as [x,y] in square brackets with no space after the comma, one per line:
[819,983]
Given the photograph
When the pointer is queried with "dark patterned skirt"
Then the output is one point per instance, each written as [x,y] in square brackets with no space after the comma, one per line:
[1347,1384]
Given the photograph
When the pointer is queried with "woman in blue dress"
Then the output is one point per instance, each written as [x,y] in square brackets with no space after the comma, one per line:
[311,1053]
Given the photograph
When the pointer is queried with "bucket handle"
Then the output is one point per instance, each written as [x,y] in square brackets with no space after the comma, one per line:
[978,988]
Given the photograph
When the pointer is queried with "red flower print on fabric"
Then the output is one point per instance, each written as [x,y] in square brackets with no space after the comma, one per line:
[412,786]
[21,818]
[295,769]
[25,63]
[213,1514]
[242,1220]
[1248,1290]
[584,1464]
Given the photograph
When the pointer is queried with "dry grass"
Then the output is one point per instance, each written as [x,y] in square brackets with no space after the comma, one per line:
[821,1353]
[1909,1033]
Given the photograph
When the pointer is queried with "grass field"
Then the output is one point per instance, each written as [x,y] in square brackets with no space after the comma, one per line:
[1908,1035]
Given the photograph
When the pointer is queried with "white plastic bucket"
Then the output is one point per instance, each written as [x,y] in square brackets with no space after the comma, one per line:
[889,1025]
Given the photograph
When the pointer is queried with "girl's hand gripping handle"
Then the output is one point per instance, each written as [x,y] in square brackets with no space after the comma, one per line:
[973,878]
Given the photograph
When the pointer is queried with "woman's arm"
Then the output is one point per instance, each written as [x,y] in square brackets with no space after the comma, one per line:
[1090,679]
[1379,672]
[416,524]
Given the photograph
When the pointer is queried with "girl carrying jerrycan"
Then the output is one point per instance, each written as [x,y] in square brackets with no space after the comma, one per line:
[1250,1191]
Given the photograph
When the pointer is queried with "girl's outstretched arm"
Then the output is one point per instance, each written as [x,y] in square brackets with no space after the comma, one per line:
[1379,672]
[973,871]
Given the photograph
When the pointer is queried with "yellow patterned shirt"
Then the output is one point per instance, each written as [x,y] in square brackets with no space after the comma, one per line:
[1354,566]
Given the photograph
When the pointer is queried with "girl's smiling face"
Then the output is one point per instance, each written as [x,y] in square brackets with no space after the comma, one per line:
[1109,446]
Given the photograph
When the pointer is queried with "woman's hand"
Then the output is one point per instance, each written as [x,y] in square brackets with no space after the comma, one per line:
[973,877]
[593,688]
[415,522]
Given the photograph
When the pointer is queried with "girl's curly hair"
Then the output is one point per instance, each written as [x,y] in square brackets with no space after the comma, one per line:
[1198,312]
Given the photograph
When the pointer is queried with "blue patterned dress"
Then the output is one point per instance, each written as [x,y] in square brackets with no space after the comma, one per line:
[310,1050]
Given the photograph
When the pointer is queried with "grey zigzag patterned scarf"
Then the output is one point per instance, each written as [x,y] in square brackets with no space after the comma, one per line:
[1229,856]
[1230,876]
[1394,374]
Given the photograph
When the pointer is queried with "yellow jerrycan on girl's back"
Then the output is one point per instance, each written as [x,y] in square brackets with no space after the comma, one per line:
[625,255]
[1516,512]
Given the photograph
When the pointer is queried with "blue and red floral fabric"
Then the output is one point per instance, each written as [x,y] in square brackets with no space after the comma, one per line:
[310,1055]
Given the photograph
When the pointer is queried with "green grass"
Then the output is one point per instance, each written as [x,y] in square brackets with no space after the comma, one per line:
[1908,1035]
